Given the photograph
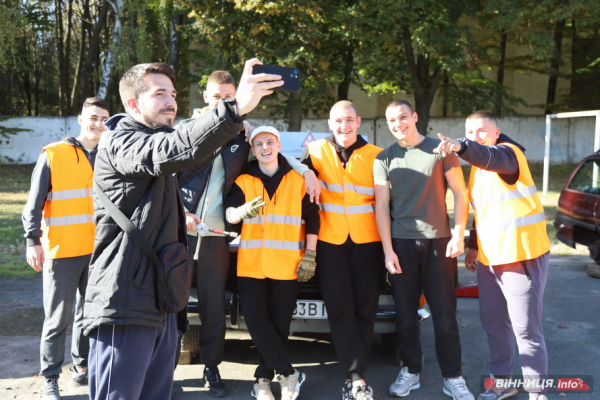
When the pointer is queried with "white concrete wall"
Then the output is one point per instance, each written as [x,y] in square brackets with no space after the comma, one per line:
[572,139]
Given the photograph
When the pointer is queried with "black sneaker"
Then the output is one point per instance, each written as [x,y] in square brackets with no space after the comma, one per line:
[347,391]
[212,380]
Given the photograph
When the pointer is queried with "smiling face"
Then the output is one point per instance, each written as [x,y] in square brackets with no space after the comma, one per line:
[402,122]
[156,106]
[91,121]
[482,130]
[344,123]
[265,147]
[216,92]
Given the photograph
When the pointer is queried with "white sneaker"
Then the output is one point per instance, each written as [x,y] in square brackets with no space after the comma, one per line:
[50,389]
[404,383]
[290,385]
[457,389]
[262,390]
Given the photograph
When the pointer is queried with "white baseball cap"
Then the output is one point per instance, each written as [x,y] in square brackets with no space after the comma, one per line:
[263,129]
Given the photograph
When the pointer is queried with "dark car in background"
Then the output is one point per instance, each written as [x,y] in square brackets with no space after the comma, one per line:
[578,215]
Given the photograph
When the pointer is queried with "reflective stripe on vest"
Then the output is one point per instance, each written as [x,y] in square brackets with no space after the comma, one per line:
[334,208]
[70,220]
[504,196]
[272,244]
[347,201]
[67,226]
[369,191]
[510,220]
[70,194]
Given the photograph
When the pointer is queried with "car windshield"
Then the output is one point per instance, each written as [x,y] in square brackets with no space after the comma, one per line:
[587,179]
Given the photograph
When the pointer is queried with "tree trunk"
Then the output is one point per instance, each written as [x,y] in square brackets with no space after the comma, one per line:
[175,39]
[554,66]
[66,77]
[501,67]
[424,85]
[87,70]
[62,64]
[109,64]
[445,95]
[295,112]
[76,101]
[344,86]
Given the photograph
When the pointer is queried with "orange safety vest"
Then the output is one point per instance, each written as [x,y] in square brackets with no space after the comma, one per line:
[273,243]
[347,195]
[67,225]
[510,220]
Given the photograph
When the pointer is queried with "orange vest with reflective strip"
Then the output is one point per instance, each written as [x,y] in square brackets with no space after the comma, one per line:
[347,195]
[67,225]
[273,243]
[510,220]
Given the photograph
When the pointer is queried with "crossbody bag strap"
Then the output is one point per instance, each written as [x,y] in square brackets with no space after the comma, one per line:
[128,227]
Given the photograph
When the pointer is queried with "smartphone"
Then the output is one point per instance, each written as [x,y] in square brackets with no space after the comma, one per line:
[290,76]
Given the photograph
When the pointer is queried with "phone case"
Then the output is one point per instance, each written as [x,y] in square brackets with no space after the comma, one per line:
[290,76]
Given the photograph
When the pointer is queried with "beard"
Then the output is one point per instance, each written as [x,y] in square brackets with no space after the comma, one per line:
[153,120]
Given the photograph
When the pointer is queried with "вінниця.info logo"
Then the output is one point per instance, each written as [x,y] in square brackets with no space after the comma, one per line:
[579,383]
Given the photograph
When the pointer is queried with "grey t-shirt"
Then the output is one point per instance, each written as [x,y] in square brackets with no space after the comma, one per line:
[417,189]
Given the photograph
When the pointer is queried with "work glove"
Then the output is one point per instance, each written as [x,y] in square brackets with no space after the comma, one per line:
[306,266]
[250,209]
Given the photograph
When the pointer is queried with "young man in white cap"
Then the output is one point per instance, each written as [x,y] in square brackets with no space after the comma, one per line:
[213,177]
[277,250]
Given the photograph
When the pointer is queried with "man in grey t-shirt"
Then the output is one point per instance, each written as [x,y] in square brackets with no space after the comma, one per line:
[420,249]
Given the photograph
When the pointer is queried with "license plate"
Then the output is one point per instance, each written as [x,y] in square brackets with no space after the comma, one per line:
[310,309]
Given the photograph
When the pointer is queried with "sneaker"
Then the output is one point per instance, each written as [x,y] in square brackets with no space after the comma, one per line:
[50,389]
[491,394]
[362,392]
[457,389]
[262,389]
[212,380]
[540,397]
[347,391]
[290,385]
[79,378]
[404,383]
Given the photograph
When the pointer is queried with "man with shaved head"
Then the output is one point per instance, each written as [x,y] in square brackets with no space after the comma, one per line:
[349,252]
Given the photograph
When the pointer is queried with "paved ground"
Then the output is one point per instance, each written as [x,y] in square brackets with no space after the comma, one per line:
[571,324]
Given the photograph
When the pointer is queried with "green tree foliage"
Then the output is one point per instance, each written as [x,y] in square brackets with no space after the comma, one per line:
[300,33]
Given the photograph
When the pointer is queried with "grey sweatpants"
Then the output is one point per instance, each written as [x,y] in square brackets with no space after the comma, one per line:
[510,305]
[65,280]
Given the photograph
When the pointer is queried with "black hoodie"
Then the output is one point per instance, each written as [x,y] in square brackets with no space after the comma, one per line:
[310,211]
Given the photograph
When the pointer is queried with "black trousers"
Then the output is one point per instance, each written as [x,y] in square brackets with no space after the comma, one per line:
[211,271]
[268,306]
[350,276]
[425,268]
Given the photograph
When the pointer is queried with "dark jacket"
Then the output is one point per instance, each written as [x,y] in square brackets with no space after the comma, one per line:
[135,168]
[193,181]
